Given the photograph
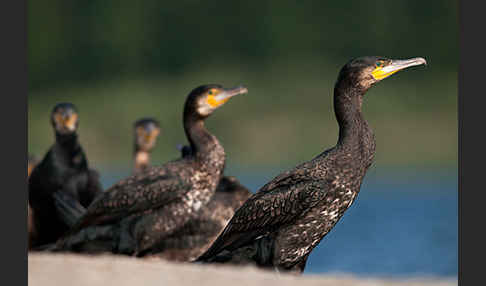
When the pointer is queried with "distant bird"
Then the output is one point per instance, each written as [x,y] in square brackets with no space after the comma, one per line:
[30,226]
[146,132]
[144,209]
[280,225]
[63,169]
[206,224]
[32,161]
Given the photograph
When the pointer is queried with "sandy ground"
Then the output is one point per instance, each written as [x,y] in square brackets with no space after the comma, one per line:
[61,269]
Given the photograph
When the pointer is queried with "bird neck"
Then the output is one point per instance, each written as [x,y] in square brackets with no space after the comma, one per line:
[141,160]
[68,142]
[353,128]
[69,150]
[204,146]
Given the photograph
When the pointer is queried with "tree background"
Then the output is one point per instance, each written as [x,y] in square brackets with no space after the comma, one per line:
[122,60]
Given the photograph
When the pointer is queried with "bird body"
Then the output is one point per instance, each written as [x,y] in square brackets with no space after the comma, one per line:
[206,224]
[65,169]
[32,161]
[281,223]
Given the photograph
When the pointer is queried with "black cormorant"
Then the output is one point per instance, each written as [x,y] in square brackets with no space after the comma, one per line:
[63,169]
[278,226]
[146,132]
[144,209]
[32,161]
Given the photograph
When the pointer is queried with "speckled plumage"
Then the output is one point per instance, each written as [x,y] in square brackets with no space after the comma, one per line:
[146,208]
[63,169]
[281,224]
[205,225]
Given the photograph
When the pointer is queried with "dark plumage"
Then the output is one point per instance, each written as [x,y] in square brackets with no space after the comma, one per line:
[205,225]
[146,131]
[32,161]
[140,211]
[279,225]
[63,169]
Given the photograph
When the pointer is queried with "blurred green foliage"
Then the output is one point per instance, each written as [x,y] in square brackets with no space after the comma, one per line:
[121,60]
[86,40]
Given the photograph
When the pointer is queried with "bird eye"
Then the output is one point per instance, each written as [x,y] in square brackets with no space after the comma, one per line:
[210,92]
[379,64]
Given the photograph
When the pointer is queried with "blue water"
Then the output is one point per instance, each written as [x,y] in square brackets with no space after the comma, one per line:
[404,222]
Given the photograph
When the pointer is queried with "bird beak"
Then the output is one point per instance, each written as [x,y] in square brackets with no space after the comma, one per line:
[396,65]
[70,122]
[29,169]
[230,92]
[225,95]
[66,120]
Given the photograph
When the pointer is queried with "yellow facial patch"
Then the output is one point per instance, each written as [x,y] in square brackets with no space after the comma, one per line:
[71,121]
[378,73]
[29,169]
[211,99]
[151,135]
[140,131]
[59,120]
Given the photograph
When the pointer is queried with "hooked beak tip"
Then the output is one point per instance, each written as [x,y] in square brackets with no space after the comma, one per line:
[240,90]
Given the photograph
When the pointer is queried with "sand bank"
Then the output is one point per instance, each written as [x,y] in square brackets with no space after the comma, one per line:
[107,270]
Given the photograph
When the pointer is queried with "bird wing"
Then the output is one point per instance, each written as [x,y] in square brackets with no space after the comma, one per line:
[137,193]
[279,201]
[68,208]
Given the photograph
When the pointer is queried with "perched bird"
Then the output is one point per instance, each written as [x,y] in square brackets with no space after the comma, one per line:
[31,163]
[138,212]
[146,132]
[63,169]
[206,224]
[30,226]
[280,225]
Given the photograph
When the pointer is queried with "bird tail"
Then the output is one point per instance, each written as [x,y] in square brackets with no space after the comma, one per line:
[45,247]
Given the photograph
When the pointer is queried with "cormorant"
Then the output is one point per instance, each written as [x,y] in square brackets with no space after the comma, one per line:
[140,211]
[279,225]
[146,132]
[63,169]
[31,163]
[202,229]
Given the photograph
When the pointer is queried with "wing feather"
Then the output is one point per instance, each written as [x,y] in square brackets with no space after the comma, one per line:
[279,201]
[137,193]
